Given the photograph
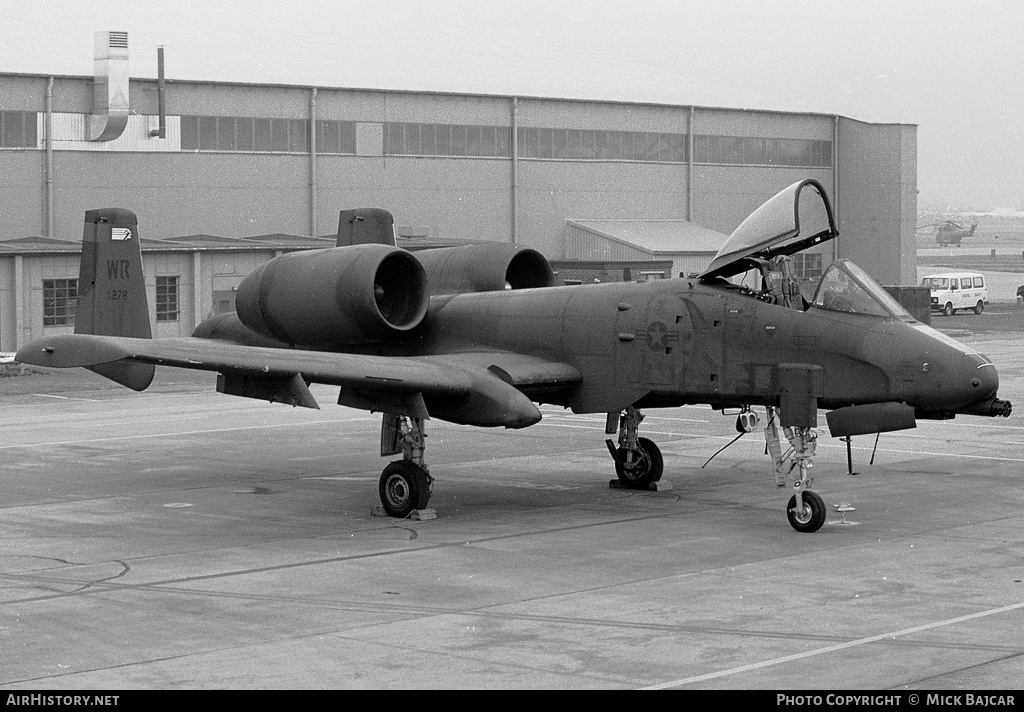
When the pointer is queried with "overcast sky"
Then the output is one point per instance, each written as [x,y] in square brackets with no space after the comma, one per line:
[953,68]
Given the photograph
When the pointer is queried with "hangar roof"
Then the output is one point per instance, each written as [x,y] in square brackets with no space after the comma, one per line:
[657,237]
[433,93]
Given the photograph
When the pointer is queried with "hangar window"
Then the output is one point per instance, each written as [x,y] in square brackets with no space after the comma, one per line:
[166,298]
[259,135]
[458,145]
[588,145]
[18,129]
[451,140]
[754,151]
[60,296]
[789,152]
[807,266]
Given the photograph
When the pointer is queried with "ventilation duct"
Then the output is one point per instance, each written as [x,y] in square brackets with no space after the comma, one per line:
[110,89]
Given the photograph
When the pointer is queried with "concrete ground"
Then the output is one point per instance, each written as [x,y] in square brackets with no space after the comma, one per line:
[179,538]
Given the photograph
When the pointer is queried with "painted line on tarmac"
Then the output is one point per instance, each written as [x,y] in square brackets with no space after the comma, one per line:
[67,398]
[646,432]
[926,453]
[828,446]
[185,432]
[834,648]
[549,424]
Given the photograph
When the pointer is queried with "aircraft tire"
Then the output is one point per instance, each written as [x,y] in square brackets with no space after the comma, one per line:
[403,488]
[813,515]
[646,471]
[948,310]
[979,307]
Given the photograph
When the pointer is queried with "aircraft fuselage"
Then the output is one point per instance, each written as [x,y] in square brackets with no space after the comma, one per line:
[673,342]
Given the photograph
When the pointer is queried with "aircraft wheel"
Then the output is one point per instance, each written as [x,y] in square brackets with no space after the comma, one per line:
[645,470]
[979,307]
[948,310]
[812,516]
[403,488]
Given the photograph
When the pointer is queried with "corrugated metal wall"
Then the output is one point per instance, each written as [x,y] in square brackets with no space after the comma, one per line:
[239,194]
[583,244]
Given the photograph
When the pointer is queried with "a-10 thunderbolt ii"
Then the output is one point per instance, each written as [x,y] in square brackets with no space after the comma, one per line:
[476,335]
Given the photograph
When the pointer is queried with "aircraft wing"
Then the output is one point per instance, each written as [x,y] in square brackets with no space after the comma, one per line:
[474,388]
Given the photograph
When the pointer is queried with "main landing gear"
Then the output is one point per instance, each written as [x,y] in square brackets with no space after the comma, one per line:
[406,484]
[806,510]
[638,461]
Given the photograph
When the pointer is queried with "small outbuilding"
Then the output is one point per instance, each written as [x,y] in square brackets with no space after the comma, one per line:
[689,247]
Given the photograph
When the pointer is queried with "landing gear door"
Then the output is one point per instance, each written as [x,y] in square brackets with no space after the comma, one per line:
[800,385]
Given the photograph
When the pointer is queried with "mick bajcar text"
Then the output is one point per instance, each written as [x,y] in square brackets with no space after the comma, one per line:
[928,699]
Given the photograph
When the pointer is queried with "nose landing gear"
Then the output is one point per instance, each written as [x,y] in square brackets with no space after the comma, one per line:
[806,510]
[807,515]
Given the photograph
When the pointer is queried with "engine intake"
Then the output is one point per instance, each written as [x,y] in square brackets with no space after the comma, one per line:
[488,267]
[335,297]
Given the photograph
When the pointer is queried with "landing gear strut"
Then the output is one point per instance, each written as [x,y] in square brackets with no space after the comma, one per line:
[638,461]
[806,510]
[406,484]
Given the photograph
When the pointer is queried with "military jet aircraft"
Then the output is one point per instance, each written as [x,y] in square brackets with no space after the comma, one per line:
[477,335]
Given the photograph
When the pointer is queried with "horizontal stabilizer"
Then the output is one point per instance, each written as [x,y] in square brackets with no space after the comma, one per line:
[96,354]
[69,351]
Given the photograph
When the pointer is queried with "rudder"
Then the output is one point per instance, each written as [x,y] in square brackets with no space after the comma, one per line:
[112,289]
[366,226]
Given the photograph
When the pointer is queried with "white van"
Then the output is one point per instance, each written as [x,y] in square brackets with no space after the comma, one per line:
[957,290]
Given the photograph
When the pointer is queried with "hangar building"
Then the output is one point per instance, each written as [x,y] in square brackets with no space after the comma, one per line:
[246,162]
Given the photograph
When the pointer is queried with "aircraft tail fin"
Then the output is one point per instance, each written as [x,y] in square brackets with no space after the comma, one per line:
[364,226]
[112,289]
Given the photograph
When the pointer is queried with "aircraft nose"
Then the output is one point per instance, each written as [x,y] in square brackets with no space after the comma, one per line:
[983,386]
[971,379]
[985,380]
[956,378]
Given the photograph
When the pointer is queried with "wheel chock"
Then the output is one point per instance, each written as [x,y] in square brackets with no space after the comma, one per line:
[418,515]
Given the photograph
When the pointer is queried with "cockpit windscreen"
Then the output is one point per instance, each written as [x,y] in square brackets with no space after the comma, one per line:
[845,287]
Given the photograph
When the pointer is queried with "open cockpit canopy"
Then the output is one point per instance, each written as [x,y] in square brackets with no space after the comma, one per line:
[796,218]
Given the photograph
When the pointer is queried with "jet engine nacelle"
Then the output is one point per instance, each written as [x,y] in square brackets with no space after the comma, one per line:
[335,297]
[488,267]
